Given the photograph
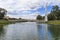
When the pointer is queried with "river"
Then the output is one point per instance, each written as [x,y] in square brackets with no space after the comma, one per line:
[30,31]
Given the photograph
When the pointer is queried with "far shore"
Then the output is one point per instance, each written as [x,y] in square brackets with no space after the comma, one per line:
[54,22]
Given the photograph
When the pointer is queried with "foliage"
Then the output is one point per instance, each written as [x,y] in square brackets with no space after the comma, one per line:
[55,13]
[39,17]
[12,18]
[2,13]
[20,18]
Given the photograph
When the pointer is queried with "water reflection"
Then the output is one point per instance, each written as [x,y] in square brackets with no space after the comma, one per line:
[1,31]
[43,32]
[55,31]
[29,31]
[21,31]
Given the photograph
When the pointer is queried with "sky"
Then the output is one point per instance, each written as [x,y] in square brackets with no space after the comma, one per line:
[19,8]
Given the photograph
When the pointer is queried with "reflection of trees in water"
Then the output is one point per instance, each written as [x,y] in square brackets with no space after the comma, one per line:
[38,26]
[55,31]
[43,32]
[1,30]
[38,29]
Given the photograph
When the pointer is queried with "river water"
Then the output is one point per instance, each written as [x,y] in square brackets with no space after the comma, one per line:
[30,31]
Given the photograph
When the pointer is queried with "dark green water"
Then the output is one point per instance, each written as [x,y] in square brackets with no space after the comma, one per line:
[30,31]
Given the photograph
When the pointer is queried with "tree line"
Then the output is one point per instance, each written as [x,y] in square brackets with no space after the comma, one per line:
[53,15]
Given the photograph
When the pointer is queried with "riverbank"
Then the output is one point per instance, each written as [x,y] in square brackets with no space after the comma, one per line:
[4,22]
[54,22]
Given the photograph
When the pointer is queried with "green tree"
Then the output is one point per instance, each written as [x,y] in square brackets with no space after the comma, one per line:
[52,17]
[58,15]
[2,13]
[39,17]
[55,8]
[55,13]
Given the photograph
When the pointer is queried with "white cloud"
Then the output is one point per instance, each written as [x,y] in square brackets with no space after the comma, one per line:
[20,5]
[26,4]
[27,16]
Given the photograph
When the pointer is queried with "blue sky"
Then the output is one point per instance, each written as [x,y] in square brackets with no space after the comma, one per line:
[28,7]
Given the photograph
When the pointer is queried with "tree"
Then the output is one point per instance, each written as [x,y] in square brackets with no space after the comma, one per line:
[39,17]
[55,13]
[52,17]
[2,13]
[55,8]
[20,18]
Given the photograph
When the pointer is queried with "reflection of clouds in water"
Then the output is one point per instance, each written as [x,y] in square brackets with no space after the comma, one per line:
[21,31]
[30,31]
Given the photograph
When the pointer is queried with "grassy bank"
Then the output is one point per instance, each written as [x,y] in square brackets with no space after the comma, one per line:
[54,22]
[11,21]
[4,22]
